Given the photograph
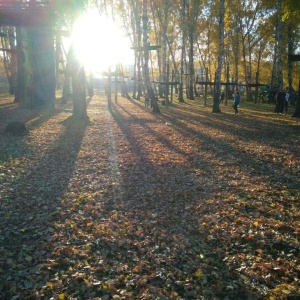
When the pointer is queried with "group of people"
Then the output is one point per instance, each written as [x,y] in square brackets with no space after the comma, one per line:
[282,101]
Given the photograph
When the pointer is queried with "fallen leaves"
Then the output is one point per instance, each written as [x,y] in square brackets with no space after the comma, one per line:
[185,205]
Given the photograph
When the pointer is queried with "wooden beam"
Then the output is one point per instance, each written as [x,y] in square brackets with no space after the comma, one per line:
[166,83]
[294,57]
[145,48]
[231,83]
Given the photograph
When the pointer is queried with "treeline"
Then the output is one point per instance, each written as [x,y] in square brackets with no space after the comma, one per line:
[243,41]
[253,40]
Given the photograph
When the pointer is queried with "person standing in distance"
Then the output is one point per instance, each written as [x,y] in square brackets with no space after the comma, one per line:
[286,102]
[280,101]
[237,101]
[222,97]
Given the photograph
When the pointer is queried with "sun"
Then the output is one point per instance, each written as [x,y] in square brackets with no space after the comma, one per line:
[100,43]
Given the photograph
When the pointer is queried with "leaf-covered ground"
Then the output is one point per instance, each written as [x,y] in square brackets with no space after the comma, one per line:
[182,205]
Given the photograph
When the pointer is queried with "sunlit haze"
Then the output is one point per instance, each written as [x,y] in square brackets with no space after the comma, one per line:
[100,43]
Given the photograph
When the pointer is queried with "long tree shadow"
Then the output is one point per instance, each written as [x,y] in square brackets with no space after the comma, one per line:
[15,147]
[140,229]
[156,201]
[258,133]
[30,206]
[273,177]
[250,164]
[13,112]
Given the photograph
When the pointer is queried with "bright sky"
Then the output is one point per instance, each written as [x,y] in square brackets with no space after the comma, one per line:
[100,43]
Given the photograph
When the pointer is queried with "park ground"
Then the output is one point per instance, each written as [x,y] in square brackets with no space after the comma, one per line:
[185,204]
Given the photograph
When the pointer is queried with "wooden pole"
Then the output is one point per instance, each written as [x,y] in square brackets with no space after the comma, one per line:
[167,85]
[215,83]
[116,87]
[173,73]
[109,89]
[205,89]
[227,80]
[256,88]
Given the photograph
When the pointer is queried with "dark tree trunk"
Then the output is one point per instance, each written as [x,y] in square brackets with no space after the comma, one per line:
[297,110]
[191,63]
[9,58]
[216,106]
[183,22]
[159,41]
[11,81]
[193,15]
[21,91]
[149,89]
[290,63]
[66,93]
[136,29]
[78,86]
[42,65]
[134,92]
[138,78]
[279,44]
[164,50]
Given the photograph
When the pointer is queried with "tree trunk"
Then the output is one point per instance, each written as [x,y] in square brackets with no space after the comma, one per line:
[139,61]
[134,92]
[258,69]
[140,80]
[249,71]
[7,68]
[209,58]
[191,56]
[274,68]
[21,90]
[246,70]
[164,50]
[290,63]
[159,41]
[183,18]
[155,108]
[137,87]
[170,52]
[193,15]
[9,58]
[235,47]
[216,106]
[13,60]
[297,110]
[67,78]
[108,89]
[78,86]
[279,44]
[42,64]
